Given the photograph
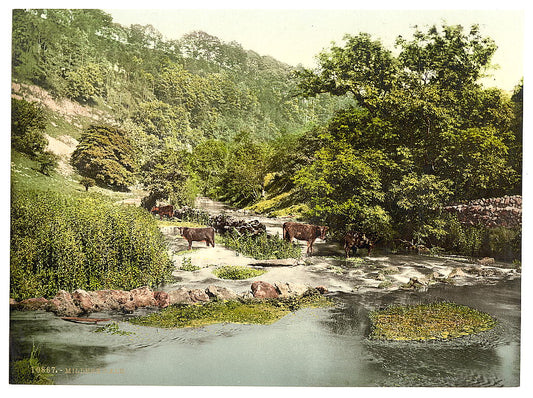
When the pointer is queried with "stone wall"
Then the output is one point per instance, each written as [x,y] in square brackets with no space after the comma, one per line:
[504,212]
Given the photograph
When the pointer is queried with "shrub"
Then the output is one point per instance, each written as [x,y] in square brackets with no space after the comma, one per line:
[262,247]
[59,242]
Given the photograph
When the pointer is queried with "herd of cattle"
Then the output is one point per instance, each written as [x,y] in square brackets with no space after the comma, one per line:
[291,230]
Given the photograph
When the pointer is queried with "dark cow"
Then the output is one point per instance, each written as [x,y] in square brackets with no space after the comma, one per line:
[306,232]
[163,210]
[357,240]
[198,235]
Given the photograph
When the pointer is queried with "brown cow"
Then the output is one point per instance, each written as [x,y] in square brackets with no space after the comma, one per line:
[306,232]
[357,240]
[198,235]
[163,210]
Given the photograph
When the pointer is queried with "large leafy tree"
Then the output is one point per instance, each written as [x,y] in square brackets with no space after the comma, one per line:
[421,115]
[167,177]
[106,155]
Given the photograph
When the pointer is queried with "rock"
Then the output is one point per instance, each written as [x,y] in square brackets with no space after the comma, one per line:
[180,296]
[161,299]
[486,261]
[220,293]
[414,284]
[456,272]
[143,297]
[63,305]
[392,269]
[39,303]
[13,302]
[264,290]
[128,307]
[104,300]
[198,295]
[289,289]
[83,300]
[322,289]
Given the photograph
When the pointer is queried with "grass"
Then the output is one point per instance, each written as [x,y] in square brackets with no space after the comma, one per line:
[442,320]
[242,312]
[237,272]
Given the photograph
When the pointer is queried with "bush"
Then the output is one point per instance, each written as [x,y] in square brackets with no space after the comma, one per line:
[59,242]
[261,247]
[478,240]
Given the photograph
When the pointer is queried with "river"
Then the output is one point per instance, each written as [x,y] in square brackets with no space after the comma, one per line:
[311,347]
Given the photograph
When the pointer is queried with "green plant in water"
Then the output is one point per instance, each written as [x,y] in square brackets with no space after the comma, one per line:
[112,328]
[237,272]
[30,370]
[441,320]
[254,312]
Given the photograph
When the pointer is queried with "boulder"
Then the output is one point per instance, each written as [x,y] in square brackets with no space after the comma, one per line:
[198,295]
[264,290]
[143,297]
[322,289]
[108,300]
[456,272]
[289,289]
[39,303]
[486,261]
[83,300]
[162,299]
[180,296]
[63,305]
[220,293]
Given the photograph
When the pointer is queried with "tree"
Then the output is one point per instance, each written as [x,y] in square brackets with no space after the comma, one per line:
[208,161]
[106,155]
[167,176]
[27,127]
[87,183]
[48,162]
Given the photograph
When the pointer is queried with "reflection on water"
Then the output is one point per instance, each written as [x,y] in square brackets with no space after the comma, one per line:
[312,347]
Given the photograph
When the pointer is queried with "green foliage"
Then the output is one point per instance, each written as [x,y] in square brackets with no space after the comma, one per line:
[168,176]
[30,370]
[186,265]
[440,320]
[106,155]
[262,247]
[48,162]
[60,242]
[255,312]
[112,328]
[418,201]
[208,161]
[237,272]
[424,132]
[481,241]
[87,183]
[28,123]
[86,82]
[244,177]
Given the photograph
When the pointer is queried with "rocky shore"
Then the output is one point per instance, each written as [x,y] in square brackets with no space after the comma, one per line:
[81,302]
